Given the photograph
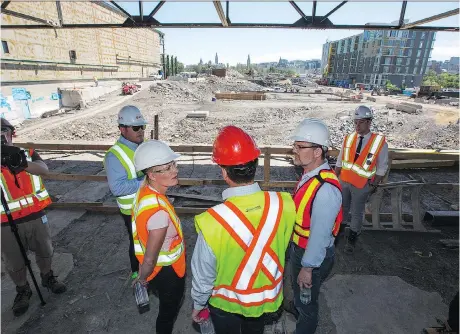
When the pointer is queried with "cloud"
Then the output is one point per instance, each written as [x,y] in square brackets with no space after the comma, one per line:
[445,52]
[289,55]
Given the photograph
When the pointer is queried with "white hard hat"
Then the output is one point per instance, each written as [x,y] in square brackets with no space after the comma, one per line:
[130,116]
[363,112]
[153,153]
[313,131]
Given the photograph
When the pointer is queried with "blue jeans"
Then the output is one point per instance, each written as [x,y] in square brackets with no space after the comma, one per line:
[308,314]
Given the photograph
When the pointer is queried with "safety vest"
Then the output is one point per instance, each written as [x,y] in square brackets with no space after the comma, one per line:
[249,236]
[126,157]
[30,197]
[146,203]
[360,171]
[304,198]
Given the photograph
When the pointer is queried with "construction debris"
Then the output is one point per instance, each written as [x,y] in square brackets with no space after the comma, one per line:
[198,114]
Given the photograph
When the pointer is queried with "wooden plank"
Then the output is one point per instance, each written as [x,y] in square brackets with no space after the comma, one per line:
[396,153]
[267,168]
[193,196]
[396,206]
[419,163]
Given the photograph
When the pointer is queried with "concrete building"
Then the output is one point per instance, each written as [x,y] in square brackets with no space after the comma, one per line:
[374,57]
[312,64]
[435,66]
[36,62]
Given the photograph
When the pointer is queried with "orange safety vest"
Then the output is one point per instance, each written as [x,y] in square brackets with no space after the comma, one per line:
[358,172]
[146,204]
[26,197]
[304,197]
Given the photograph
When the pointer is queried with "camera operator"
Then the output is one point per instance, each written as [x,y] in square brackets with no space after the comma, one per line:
[27,198]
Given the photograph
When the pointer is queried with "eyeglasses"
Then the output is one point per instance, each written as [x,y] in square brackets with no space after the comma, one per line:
[298,147]
[169,168]
[138,127]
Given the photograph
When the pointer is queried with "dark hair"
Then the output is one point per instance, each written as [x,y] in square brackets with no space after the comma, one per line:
[244,173]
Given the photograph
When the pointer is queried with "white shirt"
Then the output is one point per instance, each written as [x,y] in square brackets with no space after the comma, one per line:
[382,157]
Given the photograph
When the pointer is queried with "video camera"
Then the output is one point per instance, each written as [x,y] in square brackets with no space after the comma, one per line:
[13,157]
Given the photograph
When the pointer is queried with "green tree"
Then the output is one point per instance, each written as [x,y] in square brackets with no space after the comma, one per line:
[180,67]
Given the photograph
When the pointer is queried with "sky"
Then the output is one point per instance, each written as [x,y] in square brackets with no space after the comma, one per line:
[264,45]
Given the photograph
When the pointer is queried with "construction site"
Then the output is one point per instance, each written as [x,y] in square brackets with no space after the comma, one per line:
[403,275]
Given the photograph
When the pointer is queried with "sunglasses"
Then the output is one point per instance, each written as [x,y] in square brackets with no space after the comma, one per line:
[136,128]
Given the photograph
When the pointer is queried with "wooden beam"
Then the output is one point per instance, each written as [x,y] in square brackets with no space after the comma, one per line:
[396,153]
[431,18]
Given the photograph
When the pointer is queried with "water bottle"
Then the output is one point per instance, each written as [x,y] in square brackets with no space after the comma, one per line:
[305,295]
[142,298]
[206,326]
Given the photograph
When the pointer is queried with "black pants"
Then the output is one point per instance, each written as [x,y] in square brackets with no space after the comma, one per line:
[132,255]
[229,323]
[170,291]
[453,314]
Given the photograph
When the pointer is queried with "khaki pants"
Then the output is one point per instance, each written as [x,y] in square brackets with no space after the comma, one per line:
[354,203]
[36,237]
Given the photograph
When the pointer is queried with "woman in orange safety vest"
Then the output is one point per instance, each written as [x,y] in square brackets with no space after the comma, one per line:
[157,231]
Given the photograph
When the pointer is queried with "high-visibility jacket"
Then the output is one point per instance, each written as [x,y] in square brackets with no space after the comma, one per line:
[360,171]
[146,203]
[126,157]
[30,197]
[249,236]
[304,198]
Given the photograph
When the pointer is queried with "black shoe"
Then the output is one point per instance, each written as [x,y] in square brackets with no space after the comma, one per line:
[49,281]
[351,241]
[289,307]
[21,302]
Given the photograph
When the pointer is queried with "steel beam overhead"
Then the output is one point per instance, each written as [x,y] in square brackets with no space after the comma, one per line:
[313,12]
[155,10]
[431,18]
[297,8]
[122,10]
[333,10]
[59,11]
[233,25]
[403,13]
[220,12]
[141,11]
[227,12]
[5,4]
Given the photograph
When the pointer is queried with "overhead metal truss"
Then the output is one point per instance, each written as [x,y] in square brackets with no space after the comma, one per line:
[148,21]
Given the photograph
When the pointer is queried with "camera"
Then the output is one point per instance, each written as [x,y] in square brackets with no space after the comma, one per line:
[13,157]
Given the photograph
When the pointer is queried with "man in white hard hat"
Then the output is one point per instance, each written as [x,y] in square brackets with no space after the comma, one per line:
[318,201]
[123,179]
[361,165]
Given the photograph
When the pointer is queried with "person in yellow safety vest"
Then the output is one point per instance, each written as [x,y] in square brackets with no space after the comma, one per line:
[238,260]
[318,202]
[157,232]
[27,198]
[361,166]
[122,177]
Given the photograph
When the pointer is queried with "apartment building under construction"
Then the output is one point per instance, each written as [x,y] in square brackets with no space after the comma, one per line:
[373,57]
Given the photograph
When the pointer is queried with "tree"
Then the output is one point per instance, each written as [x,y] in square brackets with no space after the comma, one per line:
[180,67]
[445,80]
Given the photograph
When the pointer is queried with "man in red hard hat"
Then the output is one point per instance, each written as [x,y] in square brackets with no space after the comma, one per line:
[238,260]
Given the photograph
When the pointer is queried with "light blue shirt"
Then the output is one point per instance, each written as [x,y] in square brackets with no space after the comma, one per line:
[204,261]
[117,176]
[326,207]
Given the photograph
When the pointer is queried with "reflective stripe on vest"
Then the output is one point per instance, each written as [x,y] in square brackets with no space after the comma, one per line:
[151,202]
[125,155]
[304,204]
[363,170]
[23,203]
[258,251]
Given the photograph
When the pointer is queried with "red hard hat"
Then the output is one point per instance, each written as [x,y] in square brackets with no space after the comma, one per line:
[234,147]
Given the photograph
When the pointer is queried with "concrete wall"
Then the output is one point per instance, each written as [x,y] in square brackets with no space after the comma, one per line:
[102,53]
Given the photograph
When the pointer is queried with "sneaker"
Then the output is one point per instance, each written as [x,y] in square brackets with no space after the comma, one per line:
[21,302]
[49,281]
